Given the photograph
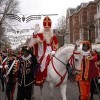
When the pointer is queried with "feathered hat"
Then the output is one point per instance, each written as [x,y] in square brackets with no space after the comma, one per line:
[86,43]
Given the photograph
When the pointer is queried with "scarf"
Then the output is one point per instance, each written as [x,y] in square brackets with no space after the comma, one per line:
[86,53]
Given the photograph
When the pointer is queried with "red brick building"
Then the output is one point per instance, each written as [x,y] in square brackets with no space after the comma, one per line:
[81,22]
[69,28]
[75,26]
[97,22]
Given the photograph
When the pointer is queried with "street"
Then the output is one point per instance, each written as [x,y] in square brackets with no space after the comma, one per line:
[72,93]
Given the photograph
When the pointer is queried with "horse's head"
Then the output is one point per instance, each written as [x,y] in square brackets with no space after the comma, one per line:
[78,57]
[75,58]
[70,54]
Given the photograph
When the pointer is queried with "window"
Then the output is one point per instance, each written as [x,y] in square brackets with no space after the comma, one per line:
[98,28]
[81,34]
[80,19]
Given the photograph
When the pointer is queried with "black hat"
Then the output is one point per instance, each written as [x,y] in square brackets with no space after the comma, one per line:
[25,49]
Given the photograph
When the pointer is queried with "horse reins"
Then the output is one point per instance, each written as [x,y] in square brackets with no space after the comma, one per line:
[70,59]
[61,77]
[60,60]
[71,63]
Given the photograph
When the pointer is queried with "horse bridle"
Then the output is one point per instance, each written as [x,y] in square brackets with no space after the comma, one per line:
[70,59]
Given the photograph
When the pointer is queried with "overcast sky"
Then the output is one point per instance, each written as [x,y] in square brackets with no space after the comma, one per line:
[31,7]
[48,6]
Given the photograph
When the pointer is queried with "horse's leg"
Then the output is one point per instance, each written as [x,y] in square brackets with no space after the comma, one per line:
[63,91]
[51,90]
[41,88]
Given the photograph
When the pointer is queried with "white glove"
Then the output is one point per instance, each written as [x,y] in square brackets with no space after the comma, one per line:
[99,81]
[36,29]
[52,53]
[1,66]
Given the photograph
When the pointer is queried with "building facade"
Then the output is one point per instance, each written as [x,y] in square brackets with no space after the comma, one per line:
[69,28]
[97,22]
[80,23]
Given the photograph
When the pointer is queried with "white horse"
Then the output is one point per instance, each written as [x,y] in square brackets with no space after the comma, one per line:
[57,73]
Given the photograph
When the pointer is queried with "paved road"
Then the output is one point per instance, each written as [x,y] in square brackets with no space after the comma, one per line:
[72,93]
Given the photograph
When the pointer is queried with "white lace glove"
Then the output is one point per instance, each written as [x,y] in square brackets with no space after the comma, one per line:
[52,53]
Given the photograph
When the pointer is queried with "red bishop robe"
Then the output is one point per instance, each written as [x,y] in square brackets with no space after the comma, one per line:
[40,48]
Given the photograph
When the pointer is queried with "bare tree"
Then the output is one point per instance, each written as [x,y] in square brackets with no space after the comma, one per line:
[61,26]
[7,7]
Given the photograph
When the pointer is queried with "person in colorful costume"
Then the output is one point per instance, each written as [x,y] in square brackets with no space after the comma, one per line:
[43,44]
[87,72]
[25,74]
[94,81]
[10,75]
[4,58]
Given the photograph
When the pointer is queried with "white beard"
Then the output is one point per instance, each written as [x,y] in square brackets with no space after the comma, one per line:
[47,36]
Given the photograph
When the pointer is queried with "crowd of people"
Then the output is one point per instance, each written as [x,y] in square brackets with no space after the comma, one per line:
[25,70]
[17,69]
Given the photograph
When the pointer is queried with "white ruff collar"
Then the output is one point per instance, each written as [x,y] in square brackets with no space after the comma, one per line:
[86,53]
[26,58]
